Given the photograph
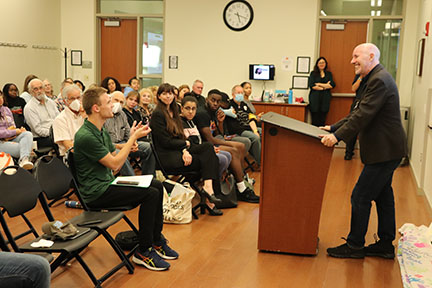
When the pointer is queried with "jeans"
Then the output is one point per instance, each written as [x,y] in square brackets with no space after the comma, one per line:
[224,161]
[148,162]
[255,149]
[24,270]
[374,184]
[18,147]
[150,218]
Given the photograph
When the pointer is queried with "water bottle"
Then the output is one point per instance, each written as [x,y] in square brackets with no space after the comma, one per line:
[73,204]
[290,96]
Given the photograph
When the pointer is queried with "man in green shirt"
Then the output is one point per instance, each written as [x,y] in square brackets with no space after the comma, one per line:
[96,158]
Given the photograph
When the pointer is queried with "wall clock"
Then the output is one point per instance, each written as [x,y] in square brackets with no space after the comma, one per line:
[238,15]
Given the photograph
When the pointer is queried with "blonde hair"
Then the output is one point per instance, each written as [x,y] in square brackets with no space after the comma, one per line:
[142,91]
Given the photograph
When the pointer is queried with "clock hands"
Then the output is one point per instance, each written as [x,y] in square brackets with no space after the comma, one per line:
[238,15]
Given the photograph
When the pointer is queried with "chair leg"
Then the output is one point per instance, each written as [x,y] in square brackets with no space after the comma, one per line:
[125,261]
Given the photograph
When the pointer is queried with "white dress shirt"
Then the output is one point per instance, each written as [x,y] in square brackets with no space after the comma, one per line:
[40,116]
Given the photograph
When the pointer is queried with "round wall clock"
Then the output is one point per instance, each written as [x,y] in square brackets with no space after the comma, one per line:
[238,15]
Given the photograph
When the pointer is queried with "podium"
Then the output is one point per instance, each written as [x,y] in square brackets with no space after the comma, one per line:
[293,177]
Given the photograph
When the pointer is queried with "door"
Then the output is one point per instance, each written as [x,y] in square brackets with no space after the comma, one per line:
[337,46]
[119,50]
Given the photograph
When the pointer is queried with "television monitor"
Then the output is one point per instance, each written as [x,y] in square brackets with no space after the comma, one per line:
[261,72]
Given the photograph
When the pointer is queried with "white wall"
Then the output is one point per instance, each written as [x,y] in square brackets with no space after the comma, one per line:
[208,50]
[421,154]
[31,23]
[78,32]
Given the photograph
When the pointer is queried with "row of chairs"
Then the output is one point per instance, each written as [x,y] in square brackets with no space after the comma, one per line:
[20,193]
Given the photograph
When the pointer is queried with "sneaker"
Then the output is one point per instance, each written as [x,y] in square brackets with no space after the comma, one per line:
[346,251]
[165,251]
[248,196]
[150,259]
[384,249]
[25,163]
[349,156]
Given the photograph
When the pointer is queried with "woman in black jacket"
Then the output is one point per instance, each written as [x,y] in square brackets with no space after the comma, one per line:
[320,84]
[175,152]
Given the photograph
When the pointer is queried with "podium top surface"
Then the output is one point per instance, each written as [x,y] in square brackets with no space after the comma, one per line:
[292,124]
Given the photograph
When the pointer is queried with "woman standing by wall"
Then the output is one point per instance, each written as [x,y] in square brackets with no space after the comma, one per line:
[320,84]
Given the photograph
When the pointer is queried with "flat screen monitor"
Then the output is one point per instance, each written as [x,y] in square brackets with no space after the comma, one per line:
[261,72]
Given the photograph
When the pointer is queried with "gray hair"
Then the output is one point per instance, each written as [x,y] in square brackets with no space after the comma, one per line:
[197,81]
[68,89]
[234,88]
[29,86]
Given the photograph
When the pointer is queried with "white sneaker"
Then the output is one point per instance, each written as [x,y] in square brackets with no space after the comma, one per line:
[25,163]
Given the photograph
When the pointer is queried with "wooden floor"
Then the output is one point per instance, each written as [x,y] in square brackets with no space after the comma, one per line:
[222,251]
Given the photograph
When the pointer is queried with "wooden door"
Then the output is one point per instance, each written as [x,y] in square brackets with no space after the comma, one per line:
[119,50]
[337,47]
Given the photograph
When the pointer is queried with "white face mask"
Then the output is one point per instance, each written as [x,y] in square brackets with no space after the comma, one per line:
[75,105]
[116,108]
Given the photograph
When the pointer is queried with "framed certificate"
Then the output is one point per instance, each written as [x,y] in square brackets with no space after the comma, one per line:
[300,82]
[303,64]
[76,57]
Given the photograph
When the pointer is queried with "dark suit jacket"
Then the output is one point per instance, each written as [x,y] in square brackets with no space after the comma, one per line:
[169,147]
[377,119]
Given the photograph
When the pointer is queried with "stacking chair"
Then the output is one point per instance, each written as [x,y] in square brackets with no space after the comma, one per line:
[20,192]
[191,177]
[55,179]
[70,160]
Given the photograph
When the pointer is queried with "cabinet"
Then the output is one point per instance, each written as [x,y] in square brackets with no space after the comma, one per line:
[295,111]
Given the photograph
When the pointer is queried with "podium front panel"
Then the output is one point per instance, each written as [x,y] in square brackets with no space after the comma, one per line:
[293,178]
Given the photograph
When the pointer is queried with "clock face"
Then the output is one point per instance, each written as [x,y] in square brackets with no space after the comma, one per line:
[238,15]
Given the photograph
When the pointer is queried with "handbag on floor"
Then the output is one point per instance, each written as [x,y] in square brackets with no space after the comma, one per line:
[229,193]
[5,160]
[177,203]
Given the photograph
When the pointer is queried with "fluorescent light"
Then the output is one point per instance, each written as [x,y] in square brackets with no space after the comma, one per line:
[373,13]
[373,3]
[323,13]
[379,13]
[379,3]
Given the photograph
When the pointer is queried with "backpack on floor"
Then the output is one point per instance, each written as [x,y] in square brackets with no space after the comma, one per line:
[228,193]
[127,240]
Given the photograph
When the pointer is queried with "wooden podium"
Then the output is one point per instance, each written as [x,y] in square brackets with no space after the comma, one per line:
[293,178]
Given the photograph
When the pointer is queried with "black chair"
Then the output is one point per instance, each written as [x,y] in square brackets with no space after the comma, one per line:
[20,192]
[55,146]
[191,177]
[55,179]
[71,162]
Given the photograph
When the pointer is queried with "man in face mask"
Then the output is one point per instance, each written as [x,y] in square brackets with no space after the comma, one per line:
[40,113]
[119,130]
[67,123]
[248,122]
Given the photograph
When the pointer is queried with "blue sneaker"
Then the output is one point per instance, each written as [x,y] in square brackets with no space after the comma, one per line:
[165,251]
[150,259]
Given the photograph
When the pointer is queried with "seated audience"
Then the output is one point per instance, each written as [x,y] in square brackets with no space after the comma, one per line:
[247,89]
[25,94]
[197,89]
[178,154]
[182,90]
[60,102]
[79,84]
[14,103]
[132,100]
[15,141]
[209,122]
[189,109]
[146,105]
[96,157]
[24,270]
[119,130]
[154,90]
[134,85]
[40,113]
[111,84]
[67,123]
[49,90]
[248,121]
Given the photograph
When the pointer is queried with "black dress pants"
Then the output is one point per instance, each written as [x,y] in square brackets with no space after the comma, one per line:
[150,217]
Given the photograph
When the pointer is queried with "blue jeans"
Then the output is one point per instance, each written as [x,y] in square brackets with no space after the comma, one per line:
[20,146]
[374,184]
[255,149]
[24,270]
